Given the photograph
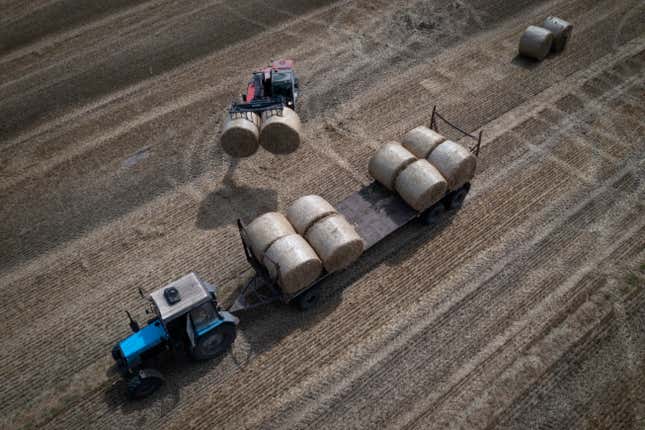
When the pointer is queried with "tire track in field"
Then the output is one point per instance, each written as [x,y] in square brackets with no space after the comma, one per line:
[159,52]
[601,355]
[498,386]
[523,82]
[51,18]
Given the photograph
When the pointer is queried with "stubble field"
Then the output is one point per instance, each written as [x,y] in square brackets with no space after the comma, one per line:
[525,309]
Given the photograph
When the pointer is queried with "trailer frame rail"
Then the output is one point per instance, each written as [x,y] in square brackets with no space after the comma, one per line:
[474,148]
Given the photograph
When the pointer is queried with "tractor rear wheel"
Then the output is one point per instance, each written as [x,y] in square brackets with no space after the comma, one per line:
[215,342]
[144,383]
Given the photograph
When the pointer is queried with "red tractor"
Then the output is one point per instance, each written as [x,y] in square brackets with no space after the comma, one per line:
[266,115]
[275,86]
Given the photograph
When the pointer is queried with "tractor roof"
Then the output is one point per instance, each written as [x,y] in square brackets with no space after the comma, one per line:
[189,292]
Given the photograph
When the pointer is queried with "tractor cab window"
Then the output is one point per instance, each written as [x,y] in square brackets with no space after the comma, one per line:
[281,84]
[203,315]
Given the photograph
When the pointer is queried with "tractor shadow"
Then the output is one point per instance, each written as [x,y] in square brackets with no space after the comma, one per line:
[231,201]
[264,327]
[179,371]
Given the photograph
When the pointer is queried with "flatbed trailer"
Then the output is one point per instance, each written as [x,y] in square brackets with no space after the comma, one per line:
[374,211]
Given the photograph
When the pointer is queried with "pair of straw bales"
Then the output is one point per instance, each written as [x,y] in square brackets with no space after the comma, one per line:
[423,168]
[244,133]
[333,238]
[553,35]
[454,162]
[286,255]
[295,248]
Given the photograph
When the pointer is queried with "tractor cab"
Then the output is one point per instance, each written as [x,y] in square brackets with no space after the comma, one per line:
[270,87]
[284,84]
[187,317]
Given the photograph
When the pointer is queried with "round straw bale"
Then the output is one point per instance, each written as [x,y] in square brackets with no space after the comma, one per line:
[336,242]
[388,162]
[241,135]
[307,210]
[280,134]
[561,30]
[421,185]
[293,262]
[536,42]
[421,141]
[454,162]
[266,229]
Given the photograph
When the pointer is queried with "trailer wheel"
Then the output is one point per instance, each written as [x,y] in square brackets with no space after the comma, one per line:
[144,383]
[215,342]
[457,199]
[432,215]
[309,299]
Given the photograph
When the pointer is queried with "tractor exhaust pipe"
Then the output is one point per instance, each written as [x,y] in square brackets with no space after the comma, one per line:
[134,326]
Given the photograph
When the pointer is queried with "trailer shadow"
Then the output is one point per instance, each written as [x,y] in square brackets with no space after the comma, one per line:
[266,326]
[415,235]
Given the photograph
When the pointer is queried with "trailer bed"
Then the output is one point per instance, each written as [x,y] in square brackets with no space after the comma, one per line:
[375,212]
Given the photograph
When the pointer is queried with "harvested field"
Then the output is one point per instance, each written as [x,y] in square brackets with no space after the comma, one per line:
[525,309]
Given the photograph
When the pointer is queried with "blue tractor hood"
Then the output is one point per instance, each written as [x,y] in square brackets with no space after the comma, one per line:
[137,343]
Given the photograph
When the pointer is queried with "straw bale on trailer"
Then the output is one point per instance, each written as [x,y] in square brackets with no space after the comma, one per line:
[307,210]
[265,230]
[421,141]
[336,242]
[293,263]
[280,134]
[561,30]
[386,164]
[241,135]
[536,42]
[455,163]
[421,185]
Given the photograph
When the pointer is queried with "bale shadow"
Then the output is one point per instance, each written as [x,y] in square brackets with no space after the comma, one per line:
[232,201]
[531,63]
[525,62]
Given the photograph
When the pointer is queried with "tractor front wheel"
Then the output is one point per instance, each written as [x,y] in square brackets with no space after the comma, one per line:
[215,342]
[144,383]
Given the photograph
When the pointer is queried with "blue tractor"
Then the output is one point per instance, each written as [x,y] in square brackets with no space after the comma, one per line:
[186,317]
